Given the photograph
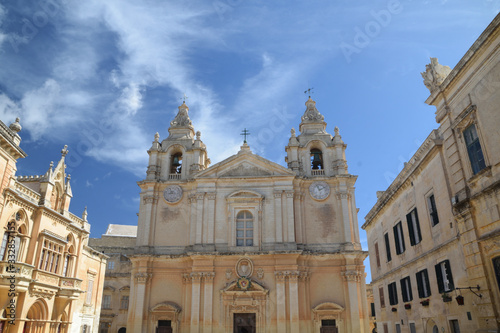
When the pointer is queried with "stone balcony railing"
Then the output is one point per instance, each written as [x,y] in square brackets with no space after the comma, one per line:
[174,176]
[70,283]
[46,278]
[27,193]
[18,274]
[319,172]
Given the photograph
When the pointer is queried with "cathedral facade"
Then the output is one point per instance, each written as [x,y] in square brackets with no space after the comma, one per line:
[247,245]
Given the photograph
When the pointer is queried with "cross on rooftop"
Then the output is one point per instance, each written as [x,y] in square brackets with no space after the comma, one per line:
[245,133]
[309,91]
[184,98]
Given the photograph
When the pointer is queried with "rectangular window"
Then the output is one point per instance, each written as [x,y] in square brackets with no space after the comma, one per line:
[455,328]
[103,327]
[413,227]
[496,267]
[406,289]
[124,302]
[413,329]
[424,288]
[111,265]
[372,308]
[106,302]
[444,277]
[4,245]
[50,256]
[244,229]
[381,296]
[398,328]
[474,149]
[387,247]
[398,238]
[90,288]
[393,293]
[377,255]
[431,203]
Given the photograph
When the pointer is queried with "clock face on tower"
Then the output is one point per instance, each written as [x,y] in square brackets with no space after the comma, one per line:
[319,190]
[173,193]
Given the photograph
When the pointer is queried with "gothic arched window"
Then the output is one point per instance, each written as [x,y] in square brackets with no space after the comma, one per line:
[244,228]
[316,159]
[176,163]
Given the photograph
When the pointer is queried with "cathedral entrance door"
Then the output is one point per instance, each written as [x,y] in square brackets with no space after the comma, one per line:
[244,323]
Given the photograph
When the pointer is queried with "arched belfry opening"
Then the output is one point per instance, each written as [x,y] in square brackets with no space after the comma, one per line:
[176,164]
[316,159]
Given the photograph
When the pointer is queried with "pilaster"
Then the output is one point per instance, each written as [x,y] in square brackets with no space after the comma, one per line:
[208,279]
[278,217]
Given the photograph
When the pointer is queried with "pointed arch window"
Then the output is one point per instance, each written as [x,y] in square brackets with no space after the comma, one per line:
[244,228]
[176,163]
[316,159]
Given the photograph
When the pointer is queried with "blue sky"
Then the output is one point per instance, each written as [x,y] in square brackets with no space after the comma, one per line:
[104,76]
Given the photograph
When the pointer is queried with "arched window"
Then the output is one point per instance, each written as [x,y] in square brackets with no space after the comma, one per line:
[244,228]
[316,159]
[176,163]
[496,267]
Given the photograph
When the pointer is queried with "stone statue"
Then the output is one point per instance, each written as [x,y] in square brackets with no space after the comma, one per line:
[435,74]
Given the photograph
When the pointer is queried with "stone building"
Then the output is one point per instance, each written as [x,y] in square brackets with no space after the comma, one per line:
[50,280]
[434,234]
[118,244]
[248,245]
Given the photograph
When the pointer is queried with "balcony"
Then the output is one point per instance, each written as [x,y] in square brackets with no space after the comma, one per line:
[18,274]
[70,287]
[46,278]
[319,172]
[174,176]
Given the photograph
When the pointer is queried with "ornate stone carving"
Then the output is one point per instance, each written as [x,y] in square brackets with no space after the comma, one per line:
[229,273]
[208,276]
[182,118]
[312,114]
[280,276]
[353,276]
[196,277]
[244,267]
[289,194]
[173,193]
[435,74]
[211,196]
[142,277]
[260,272]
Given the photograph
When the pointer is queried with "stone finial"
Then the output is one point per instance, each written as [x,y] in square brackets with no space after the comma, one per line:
[434,74]
[198,135]
[292,132]
[312,114]
[64,151]
[157,137]
[336,130]
[15,126]
[182,117]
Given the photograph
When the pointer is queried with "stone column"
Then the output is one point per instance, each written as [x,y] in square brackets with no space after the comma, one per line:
[344,197]
[280,301]
[352,278]
[199,217]
[208,279]
[192,219]
[293,305]
[211,218]
[140,294]
[290,217]
[278,218]
[195,301]
[145,230]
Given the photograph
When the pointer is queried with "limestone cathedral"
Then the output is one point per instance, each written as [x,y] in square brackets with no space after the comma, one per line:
[247,245]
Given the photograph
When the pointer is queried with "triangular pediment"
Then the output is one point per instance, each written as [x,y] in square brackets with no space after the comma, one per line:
[245,165]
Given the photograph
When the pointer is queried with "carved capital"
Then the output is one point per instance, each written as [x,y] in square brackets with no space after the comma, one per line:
[277,194]
[142,277]
[280,276]
[289,194]
[352,276]
[196,277]
[293,276]
[211,196]
[208,276]
[192,198]
[200,196]
[343,195]
[149,199]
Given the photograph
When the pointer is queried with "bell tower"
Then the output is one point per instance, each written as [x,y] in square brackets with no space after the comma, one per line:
[314,152]
[181,154]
